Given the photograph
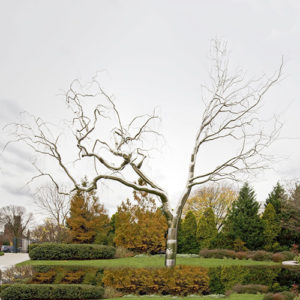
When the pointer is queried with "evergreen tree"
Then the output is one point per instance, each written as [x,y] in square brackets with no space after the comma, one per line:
[291,217]
[207,228]
[187,242]
[243,220]
[276,198]
[271,226]
[88,219]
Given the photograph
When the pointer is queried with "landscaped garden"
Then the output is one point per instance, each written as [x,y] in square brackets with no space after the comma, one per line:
[218,241]
[111,277]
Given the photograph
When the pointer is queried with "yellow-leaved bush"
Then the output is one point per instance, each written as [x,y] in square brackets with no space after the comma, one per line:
[181,280]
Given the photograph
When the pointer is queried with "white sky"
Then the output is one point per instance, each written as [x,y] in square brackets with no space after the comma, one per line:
[152,54]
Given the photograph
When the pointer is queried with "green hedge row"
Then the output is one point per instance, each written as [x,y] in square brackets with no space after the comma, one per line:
[45,291]
[278,278]
[1,253]
[221,279]
[53,251]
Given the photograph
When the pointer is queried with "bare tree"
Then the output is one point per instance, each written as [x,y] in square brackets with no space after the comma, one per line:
[55,206]
[231,111]
[219,197]
[16,220]
[52,204]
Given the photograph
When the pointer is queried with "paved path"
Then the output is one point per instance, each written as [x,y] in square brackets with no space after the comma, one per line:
[290,263]
[9,259]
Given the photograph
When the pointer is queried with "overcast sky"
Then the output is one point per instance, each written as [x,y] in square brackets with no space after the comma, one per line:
[150,54]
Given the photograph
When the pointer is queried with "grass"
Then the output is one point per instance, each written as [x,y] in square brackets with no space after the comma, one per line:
[231,297]
[149,261]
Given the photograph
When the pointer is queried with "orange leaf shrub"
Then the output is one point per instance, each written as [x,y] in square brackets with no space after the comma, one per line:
[43,277]
[73,277]
[181,280]
[140,225]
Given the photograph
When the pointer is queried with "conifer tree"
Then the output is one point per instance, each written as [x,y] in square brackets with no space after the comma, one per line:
[243,220]
[291,217]
[276,198]
[87,219]
[187,235]
[207,228]
[271,226]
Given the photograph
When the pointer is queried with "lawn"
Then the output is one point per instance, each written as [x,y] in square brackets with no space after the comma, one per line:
[149,261]
[232,297]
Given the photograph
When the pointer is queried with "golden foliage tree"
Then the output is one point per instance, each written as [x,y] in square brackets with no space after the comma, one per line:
[49,231]
[87,218]
[219,197]
[141,226]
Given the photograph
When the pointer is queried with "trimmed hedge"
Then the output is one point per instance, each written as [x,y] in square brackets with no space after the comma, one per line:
[280,296]
[61,291]
[250,289]
[1,253]
[53,251]
[282,278]
[67,275]
[180,280]
[259,255]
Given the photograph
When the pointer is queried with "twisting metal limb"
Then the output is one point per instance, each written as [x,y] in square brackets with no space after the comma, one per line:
[232,104]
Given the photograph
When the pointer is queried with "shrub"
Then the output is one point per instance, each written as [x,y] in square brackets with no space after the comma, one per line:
[67,274]
[288,276]
[181,280]
[1,253]
[250,289]
[239,245]
[73,277]
[288,255]
[278,257]
[34,292]
[260,255]
[241,255]
[53,251]
[297,259]
[223,279]
[280,296]
[16,274]
[217,253]
[45,277]
[123,252]
[110,292]
[295,249]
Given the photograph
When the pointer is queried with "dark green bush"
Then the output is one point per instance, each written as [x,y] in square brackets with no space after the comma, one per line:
[288,276]
[45,291]
[1,253]
[278,278]
[53,251]
[223,279]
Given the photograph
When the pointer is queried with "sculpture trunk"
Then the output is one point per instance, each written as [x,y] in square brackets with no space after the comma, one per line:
[170,258]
